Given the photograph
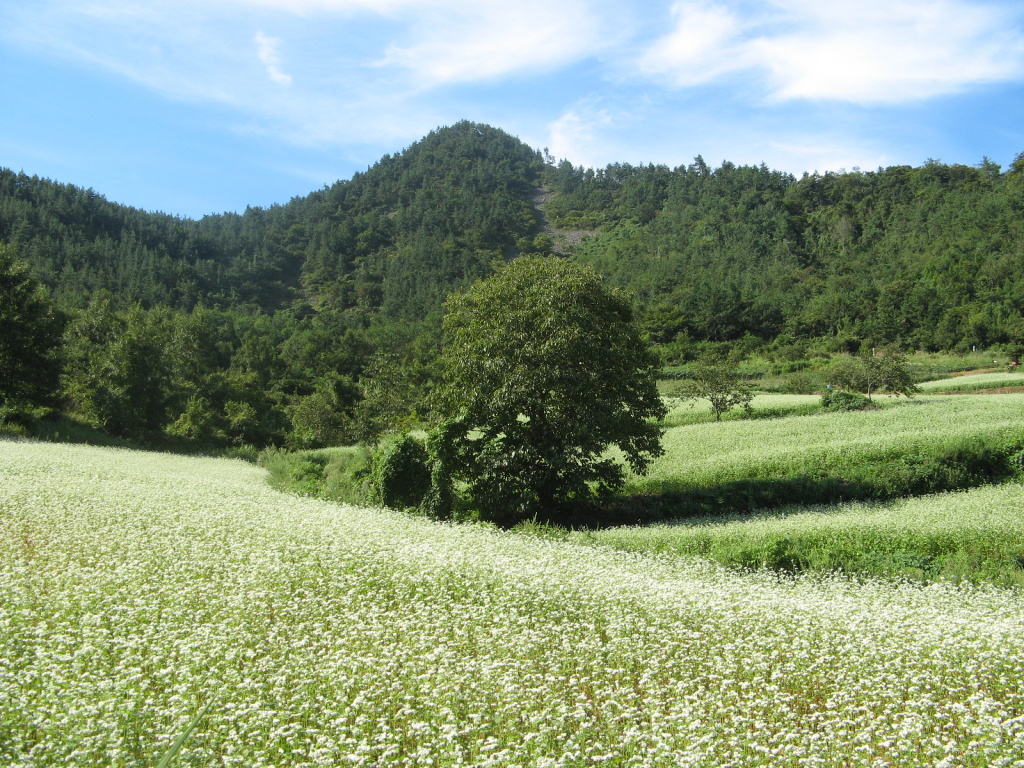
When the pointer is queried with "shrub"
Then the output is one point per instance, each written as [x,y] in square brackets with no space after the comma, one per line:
[838,400]
[802,383]
[401,473]
[15,421]
[306,474]
[347,476]
[299,473]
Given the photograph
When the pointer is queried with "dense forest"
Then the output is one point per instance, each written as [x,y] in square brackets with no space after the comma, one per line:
[317,321]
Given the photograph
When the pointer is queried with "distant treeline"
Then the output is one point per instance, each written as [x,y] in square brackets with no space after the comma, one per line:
[318,321]
[930,258]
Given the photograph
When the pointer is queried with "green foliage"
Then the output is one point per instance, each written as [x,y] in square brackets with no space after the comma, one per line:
[971,536]
[716,379]
[542,372]
[300,472]
[887,371]
[836,400]
[197,424]
[29,336]
[261,314]
[925,257]
[15,421]
[401,473]
[322,418]
[116,369]
[337,474]
[347,475]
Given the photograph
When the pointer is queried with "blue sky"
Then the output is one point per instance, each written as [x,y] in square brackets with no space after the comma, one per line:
[201,106]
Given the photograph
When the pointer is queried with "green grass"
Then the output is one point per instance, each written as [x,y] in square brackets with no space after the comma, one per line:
[906,447]
[137,587]
[336,474]
[974,382]
[764,406]
[975,536]
[936,365]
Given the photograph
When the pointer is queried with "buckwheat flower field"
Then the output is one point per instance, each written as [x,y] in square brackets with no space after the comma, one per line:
[135,588]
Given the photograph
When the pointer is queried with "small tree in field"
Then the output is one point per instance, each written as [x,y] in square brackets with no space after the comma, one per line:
[714,378]
[888,371]
[543,371]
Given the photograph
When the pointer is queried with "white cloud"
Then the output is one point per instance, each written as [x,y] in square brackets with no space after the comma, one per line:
[267,50]
[579,135]
[862,51]
[821,153]
[700,48]
[443,41]
[358,70]
[460,42]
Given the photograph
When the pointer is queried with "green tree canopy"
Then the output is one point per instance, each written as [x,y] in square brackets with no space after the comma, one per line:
[543,371]
[30,332]
[715,378]
[888,371]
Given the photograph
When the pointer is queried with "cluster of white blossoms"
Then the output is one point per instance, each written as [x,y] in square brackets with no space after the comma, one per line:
[135,588]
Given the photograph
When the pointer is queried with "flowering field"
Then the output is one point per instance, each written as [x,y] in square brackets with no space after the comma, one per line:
[135,588]
[685,412]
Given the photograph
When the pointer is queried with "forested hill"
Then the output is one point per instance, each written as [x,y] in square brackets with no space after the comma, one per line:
[317,321]
[396,238]
[929,257]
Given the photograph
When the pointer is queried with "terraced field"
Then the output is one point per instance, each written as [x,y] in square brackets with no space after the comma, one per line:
[712,454]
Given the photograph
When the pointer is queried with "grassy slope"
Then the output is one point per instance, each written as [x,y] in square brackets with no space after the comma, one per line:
[976,535]
[916,446]
[135,588]
[974,382]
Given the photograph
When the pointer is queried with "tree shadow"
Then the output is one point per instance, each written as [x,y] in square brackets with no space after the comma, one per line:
[735,498]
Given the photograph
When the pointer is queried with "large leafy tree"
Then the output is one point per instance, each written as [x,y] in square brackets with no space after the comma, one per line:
[543,372]
[30,332]
[116,371]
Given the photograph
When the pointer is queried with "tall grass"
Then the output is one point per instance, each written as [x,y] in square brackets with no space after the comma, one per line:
[975,536]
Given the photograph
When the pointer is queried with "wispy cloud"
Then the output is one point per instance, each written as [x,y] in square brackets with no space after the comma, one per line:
[580,134]
[702,46]
[862,51]
[463,42]
[353,65]
[267,50]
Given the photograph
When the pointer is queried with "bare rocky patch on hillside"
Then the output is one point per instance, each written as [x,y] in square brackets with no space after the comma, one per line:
[565,240]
